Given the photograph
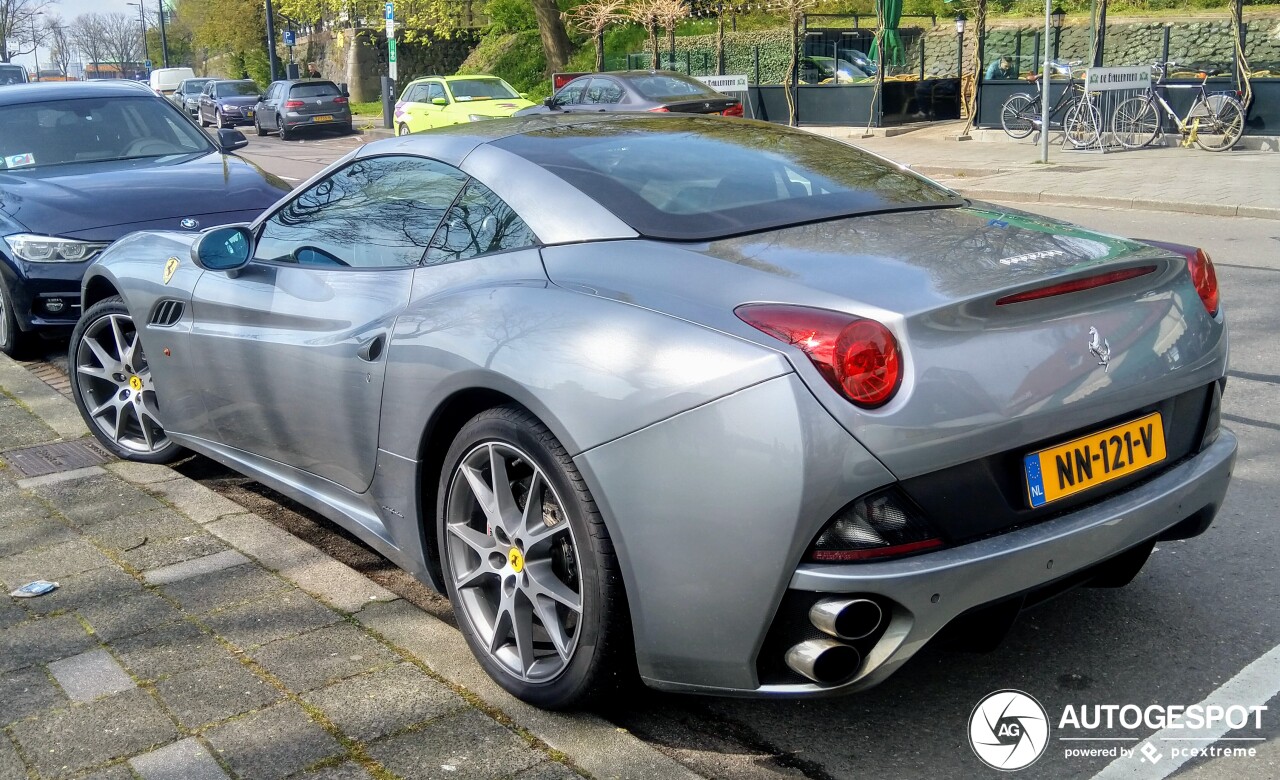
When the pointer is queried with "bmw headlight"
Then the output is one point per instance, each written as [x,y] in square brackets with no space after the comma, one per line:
[48,249]
[478,117]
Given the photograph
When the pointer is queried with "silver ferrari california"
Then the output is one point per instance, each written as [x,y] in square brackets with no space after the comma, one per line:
[736,407]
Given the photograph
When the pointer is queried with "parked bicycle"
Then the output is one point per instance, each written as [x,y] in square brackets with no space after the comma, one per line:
[1081,123]
[1214,122]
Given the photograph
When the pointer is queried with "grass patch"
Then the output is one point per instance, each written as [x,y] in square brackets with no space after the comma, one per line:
[372,107]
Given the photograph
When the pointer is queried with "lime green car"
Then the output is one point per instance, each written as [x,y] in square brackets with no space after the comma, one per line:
[437,101]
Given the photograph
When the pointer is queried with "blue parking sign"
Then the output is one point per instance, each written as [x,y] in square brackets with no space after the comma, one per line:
[290,38]
[391,10]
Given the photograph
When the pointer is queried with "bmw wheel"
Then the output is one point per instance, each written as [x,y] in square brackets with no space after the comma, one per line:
[14,342]
[111,384]
[528,563]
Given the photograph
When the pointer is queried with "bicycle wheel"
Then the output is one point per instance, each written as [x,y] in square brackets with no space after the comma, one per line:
[1015,115]
[1082,126]
[1136,122]
[1220,122]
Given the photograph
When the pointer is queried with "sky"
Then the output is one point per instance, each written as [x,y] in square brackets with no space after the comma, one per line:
[70,9]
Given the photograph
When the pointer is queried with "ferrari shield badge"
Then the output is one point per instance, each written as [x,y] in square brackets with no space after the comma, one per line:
[170,266]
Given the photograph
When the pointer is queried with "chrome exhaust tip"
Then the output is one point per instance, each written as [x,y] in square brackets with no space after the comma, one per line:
[846,618]
[825,661]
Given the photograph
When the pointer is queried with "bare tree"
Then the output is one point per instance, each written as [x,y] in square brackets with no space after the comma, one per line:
[121,35]
[592,17]
[668,14]
[795,11]
[60,48]
[18,31]
[86,32]
[645,14]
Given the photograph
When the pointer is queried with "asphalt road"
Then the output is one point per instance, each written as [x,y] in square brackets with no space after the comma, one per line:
[1200,612]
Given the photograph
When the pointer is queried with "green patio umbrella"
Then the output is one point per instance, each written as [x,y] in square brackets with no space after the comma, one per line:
[893,50]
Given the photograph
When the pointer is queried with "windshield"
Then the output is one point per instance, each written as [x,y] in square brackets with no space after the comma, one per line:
[12,74]
[661,88]
[314,89]
[694,178]
[481,89]
[237,89]
[58,132]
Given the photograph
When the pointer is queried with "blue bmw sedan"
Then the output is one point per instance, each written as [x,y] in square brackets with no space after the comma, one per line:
[82,165]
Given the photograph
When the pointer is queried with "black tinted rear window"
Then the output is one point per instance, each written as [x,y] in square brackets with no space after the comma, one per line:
[315,89]
[237,89]
[662,87]
[694,178]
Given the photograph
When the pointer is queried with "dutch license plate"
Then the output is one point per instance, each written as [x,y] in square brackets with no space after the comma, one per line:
[1094,459]
[249,113]
[322,118]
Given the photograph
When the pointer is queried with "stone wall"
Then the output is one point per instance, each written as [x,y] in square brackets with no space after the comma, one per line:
[359,58]
[1200,43]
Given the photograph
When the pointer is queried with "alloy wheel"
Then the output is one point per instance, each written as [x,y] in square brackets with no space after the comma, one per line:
[514,562]
[116,385]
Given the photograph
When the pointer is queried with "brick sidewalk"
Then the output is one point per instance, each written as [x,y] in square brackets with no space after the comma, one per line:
[191,639]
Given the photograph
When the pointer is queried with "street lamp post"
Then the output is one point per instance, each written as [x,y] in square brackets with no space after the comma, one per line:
[960,23]
[271,41]
[1056,18]
[142,17]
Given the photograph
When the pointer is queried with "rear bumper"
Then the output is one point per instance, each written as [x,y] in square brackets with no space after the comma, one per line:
[929,591]
[293,121]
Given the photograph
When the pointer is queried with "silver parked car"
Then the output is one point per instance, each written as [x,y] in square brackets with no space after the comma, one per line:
[748,409]
[289,106]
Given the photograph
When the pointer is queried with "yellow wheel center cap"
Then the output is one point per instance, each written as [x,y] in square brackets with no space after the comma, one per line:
[516,560]
[135,383]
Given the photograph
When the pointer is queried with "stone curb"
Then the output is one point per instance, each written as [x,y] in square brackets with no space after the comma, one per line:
[589,742]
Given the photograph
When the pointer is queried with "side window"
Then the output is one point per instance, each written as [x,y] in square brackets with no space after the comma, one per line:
[606,91]
[479,223]
[572,92]
[435,90]
[375,213]
[418,94]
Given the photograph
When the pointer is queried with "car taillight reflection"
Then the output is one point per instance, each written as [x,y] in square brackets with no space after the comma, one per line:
[857,356]
[734,110]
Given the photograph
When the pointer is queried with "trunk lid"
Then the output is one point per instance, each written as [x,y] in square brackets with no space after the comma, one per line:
[979,378]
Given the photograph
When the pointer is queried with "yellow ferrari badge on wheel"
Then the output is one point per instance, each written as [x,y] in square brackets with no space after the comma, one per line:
[516,560]
[170,266]
[135,383]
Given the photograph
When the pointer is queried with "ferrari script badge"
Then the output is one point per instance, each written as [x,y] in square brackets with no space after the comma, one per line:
[170,266]
[1100,348]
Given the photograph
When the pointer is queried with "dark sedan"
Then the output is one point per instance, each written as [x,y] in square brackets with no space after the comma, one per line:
[187,95]
[82,165]
[638,90]
[227,103]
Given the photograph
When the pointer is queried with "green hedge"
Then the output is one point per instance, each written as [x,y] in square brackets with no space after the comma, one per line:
[739,53]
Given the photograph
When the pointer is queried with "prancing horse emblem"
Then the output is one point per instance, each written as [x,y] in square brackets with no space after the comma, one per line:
[1100,348]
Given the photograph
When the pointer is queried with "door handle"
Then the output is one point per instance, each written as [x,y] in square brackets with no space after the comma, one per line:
[371,350]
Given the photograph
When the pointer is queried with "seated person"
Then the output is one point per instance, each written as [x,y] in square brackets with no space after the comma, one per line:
[1002,68]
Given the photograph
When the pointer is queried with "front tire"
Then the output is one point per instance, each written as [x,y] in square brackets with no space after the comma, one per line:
[528,563]
[402,129]
[218,120]
[111,384]
[200,114]
[14,342]
[258,127]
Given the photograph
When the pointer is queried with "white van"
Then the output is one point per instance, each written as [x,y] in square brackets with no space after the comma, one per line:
[165,80]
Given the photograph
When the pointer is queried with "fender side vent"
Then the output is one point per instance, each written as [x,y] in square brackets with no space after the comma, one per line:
[166,313]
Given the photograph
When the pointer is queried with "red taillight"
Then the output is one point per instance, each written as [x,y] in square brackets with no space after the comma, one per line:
[660,110]
[293,104]
[835,556]
[734,110]
[1203,276]
[1076,285]
[857,356]
[340,100]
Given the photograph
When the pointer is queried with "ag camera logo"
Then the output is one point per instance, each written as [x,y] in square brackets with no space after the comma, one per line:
[1008,730]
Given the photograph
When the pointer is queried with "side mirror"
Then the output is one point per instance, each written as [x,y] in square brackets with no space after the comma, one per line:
[262,97]
[551,102]
[440,101]
[230,140]
[223,249]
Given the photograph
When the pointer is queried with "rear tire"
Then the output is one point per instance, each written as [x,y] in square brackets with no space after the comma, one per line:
[1014,118]
[536,588]
[284,131]
[1223,124]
